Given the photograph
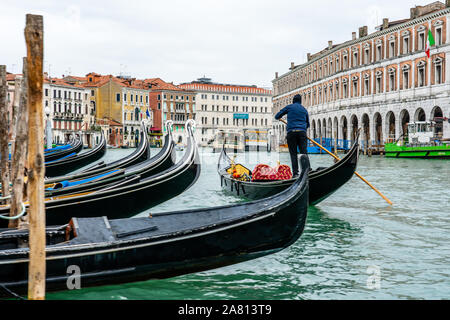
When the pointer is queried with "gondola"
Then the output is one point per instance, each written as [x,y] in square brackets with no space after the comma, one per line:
[141,153]
[322,182]
[103,251]
[126,198]
[73,162]
[73,147]
[160,162]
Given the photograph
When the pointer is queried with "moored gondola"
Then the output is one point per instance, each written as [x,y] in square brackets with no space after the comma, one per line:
[73,147]
[126,198]
[322,182]
[73,162]
[163,160]
[104,251]
[141,153]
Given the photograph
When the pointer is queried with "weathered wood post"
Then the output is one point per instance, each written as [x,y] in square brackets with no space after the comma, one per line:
[4,132]
[34,32]
[20,148]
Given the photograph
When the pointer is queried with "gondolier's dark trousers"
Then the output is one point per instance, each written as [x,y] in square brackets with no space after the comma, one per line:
[296,139]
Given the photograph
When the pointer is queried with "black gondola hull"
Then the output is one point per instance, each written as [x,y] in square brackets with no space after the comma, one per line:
[194,245]
[322,183]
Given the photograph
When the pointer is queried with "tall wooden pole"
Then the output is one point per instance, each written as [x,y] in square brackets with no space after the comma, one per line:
[34,37]
[20,148]
[4,132]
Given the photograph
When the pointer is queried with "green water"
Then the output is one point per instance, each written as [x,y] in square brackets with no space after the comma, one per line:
[350,233]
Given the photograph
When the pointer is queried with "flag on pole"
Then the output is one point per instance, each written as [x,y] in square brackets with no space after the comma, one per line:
[430,42]
[147,113]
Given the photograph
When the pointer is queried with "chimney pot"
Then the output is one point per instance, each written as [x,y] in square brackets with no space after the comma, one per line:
[308,56]
[363,31]
[292,65]
[276,75]
[385,23]
[353,35]
[330,44]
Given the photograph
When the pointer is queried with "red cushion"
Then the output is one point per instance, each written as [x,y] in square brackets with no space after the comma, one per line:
[265,172]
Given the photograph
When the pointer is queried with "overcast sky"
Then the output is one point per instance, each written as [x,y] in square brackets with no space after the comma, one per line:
[230,41]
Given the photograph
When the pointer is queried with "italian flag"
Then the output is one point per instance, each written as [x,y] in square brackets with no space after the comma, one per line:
[430,42]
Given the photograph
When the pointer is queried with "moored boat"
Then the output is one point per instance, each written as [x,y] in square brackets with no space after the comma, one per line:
[73,162]
[424,139]
[322,182]
[160,246]
[126,198]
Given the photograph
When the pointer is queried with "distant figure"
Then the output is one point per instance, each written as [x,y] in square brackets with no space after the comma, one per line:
[297,124]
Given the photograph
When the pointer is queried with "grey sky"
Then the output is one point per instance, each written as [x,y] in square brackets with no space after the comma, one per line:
[232,41]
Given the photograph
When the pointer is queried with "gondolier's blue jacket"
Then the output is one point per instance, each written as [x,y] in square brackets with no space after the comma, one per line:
[297,117]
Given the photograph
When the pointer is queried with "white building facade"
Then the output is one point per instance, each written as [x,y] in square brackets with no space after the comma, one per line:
[377,82]
[227,107]
[70,111]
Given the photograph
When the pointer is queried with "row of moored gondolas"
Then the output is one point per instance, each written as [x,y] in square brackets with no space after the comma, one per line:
[89,224]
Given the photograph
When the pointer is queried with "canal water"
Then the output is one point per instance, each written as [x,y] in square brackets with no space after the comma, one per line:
[355,246]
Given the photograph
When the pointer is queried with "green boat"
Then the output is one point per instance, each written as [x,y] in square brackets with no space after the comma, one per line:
[425,139]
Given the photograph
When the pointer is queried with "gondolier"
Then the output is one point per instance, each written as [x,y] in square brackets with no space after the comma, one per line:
[297,124]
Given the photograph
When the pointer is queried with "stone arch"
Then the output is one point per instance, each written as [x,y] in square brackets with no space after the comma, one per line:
[420,115]
[324,128]
[436,112]
[404,120]
[335,128]
[354,126]
[378,128]
[365,121]
[330,128]
[390,126]
[344,127]
[319,129]
[313,128]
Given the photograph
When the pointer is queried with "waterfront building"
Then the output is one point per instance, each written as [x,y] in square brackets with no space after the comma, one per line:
[229,107]
[378,82]
[69,110]
[170,102]
[121,102]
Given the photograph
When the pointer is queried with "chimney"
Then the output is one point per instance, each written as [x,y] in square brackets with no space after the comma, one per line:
[385,24]
[308,56]
[363,31]
[353,35]
[276,75]
[330,44]
[292,66]
[447,3]
[413,13]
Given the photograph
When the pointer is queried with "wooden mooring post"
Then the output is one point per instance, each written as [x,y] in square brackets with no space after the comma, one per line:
[34,37]
[19,155]
[4,131]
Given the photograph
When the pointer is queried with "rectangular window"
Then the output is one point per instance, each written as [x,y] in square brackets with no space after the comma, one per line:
[405,45]
[438,39]
[421,80]
[46,92]
[438,74]
[391,82]
[355,59]
[421,44]
[366,87]
[366,56]
[378,85]
[378,53]
[355,88]
[405,80]
[117,97]
[391,49]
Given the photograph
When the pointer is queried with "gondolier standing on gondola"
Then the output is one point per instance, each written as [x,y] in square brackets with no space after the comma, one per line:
[297,124]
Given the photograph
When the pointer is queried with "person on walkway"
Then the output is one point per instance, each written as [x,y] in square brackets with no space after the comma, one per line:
[297,124]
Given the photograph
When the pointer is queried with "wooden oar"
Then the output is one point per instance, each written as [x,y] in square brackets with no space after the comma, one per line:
[357,174]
